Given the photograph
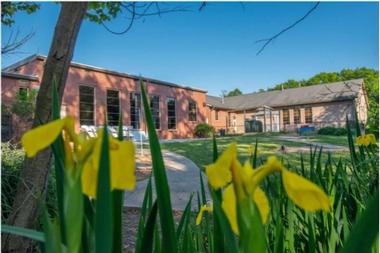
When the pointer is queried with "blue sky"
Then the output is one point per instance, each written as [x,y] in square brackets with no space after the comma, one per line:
[215,49]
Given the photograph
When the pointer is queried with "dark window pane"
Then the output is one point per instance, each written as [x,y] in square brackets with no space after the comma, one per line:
[113,107]
[297,116]
[135,107]
[155,107]
[286,118]
[308,115]
[86,105]
[192,111]
[171,113]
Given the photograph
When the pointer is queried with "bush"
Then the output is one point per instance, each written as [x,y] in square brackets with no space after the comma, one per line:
[204,130]
[332,131]
[11,165]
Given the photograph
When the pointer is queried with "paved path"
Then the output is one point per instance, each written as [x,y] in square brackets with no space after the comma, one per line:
[183,177]
[301,139]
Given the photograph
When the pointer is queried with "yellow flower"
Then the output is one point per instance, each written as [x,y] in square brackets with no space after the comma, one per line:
[219,173]
[204,208]
[43,136]
[122,164]
[84,153]
[246,181]
[366,140]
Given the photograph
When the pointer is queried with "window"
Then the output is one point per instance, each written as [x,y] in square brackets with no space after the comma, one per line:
[286,118]
[135,100]
[113,107]
[216,114]
[192,111]
[171,113]
[86,105]
[155,107]
[297,116]
[308,115]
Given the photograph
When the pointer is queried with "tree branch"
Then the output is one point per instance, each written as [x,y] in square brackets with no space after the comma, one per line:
[271,39]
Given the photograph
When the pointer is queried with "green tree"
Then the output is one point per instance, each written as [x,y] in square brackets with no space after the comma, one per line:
[234,92]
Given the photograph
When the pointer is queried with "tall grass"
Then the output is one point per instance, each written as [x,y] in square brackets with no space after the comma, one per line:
[85,225]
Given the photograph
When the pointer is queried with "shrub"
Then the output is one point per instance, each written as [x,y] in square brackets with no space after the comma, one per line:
[332,131]
[204,130]
[11,164]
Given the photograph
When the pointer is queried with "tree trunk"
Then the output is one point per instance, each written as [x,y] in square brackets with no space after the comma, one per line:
[33,179]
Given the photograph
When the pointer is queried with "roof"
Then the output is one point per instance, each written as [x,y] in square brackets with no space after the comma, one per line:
[11,68]
[19,76]
[329,92]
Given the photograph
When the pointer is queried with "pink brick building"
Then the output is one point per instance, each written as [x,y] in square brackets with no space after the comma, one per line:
[92,92]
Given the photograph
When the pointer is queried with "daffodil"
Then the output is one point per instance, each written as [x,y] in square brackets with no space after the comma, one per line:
[246,181]
[366,140]
[84,154]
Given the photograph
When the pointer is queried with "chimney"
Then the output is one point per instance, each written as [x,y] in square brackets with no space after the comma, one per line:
[223,98]
[282,87]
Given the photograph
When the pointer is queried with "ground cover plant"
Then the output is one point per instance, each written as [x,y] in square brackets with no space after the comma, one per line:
[259,204]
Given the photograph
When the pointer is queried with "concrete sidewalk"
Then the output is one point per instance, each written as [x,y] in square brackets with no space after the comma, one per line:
[183,178]
[300,139]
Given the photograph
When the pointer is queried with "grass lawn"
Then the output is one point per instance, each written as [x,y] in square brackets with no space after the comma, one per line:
[200,151]
[336,140]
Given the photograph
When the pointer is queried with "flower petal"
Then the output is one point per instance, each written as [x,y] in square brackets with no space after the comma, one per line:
[89,177]
[262,204]
[41,137]
[229,207]
[304,193]
[204,208]
[219,173]
[123,166]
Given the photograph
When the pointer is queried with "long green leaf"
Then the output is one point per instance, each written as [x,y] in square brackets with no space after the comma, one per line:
[25,232]
[59,155]
[185,217]
[366,229]
[147,242]
[162,186]
[103,214]
[117,206]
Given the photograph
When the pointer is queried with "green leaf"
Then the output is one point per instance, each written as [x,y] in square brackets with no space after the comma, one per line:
[252,234]
[144,208]
[161,182]
[59,155]
[73,204]
[366,229]
[25,232]
[185,217]
[117,206]
[103,214]
[52,234]
[147,242]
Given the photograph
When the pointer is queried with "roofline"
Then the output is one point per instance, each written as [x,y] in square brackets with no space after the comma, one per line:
[103,70]
[19,76]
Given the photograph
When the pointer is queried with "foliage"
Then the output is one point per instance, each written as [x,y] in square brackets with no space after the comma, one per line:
[25,103]
[234,92]
[90,226]
[337,131]
[204,130]
[8,10]
[11,165]
[371,84]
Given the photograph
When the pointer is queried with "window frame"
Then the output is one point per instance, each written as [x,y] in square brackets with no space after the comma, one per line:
[159,111]
[192,113]
[298,121]
[138,109]
[119,106]
[216,114]
[283,117]
[309,118]
[93,101]
[175,113]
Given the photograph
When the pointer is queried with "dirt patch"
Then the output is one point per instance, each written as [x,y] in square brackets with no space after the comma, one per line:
[143,165]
